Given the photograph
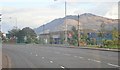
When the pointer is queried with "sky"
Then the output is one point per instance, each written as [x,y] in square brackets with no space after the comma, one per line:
[34,13]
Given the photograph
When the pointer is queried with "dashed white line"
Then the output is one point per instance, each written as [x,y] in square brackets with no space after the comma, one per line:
[80,57]
[51,61]
[75,56]
[62,67]
[57,52]
[67,54]
[43,57]
[113,65]
[97,61]
[89,59]
[36,55]
[94,60]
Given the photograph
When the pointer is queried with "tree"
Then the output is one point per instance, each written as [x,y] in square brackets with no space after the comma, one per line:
[21,34]
[13,35]
[29,34]
[13,32]
[115,36]
[101,33]
[74,36]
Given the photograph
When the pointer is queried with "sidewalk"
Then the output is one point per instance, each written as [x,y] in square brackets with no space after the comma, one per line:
[93,48]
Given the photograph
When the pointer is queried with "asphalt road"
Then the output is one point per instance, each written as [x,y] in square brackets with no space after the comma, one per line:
[36,56]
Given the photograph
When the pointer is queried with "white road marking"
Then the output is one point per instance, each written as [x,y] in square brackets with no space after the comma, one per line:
[36,55]
[67,54]
[89,59]
[62,67]
[94,60]
[97,61]
[75,56]
[113,65]
[80,57]
[43,57]
[57,52]
[51,61]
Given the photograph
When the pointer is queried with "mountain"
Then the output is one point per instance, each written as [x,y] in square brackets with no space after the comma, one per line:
[87,21]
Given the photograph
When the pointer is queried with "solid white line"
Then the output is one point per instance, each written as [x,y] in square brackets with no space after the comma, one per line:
[62,67]
[113,65]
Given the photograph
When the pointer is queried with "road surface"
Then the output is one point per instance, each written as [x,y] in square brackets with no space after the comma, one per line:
[36,56]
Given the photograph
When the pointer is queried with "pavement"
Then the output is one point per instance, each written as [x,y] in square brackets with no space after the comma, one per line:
[101,49]
[84,47]
[37,56]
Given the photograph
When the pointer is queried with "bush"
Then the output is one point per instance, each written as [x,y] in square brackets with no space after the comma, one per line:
[108,42]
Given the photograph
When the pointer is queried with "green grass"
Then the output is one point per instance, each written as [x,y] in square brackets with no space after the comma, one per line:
[112,47]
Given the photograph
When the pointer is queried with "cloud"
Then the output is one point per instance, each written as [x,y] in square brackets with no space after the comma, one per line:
[113,12]
[90,0]
[29,17]
[34,16]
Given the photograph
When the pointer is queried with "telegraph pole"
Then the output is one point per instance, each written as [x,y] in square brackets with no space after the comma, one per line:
[65,24]
[78,31]
[0,22]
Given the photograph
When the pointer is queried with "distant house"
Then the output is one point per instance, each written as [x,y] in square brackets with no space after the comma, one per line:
[52,37]
[58,37]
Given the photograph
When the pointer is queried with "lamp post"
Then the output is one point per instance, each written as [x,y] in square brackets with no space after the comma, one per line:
[65,7]
[0,22]
[66,23]
[16,27]
[43,33]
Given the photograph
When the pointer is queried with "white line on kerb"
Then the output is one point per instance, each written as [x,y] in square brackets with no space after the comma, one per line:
[113,65]
[62,67]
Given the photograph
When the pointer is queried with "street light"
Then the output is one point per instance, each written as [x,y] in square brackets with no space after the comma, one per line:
[65,23]
[16,27]
[0,21]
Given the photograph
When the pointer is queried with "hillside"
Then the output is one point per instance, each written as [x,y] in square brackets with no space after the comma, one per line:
[87,21]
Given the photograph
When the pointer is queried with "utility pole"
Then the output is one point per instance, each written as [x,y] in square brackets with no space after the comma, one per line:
[43,34]
[15,18]
[0,22]
[65,23]
[78,31]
